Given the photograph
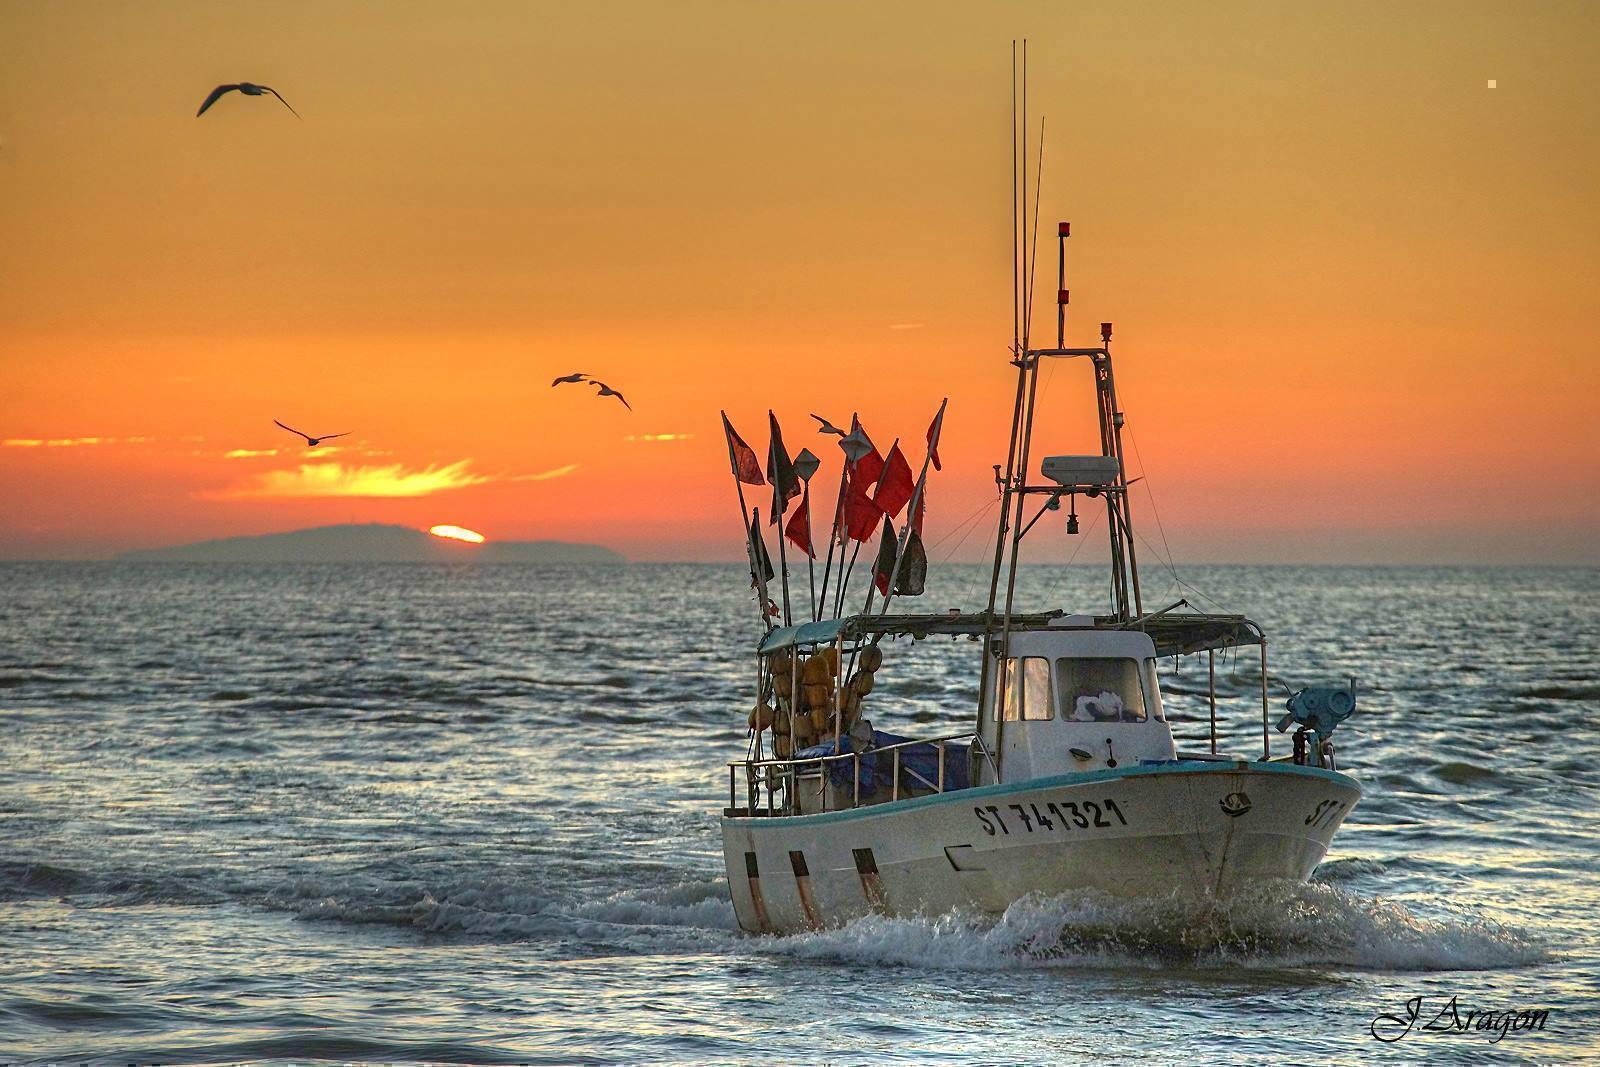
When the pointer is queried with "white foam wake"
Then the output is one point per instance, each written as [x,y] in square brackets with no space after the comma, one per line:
[1281,925]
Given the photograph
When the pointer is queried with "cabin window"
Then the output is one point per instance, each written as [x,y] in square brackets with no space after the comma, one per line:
[1101,690]
[1027,689]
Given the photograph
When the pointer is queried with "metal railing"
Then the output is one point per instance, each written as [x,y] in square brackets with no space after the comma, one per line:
[771,773]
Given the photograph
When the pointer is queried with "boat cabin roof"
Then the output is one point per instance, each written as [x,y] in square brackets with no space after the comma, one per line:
[1172,632]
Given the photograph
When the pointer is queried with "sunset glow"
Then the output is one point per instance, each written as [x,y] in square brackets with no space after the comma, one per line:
[457,533]
[334,479]
[1329,253]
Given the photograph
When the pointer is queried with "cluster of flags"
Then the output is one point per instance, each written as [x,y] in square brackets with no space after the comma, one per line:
[874,490]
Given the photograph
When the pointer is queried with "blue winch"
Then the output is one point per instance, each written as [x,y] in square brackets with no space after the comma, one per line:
[1318,710]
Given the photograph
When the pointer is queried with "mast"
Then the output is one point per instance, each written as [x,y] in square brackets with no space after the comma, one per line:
[1127,602]
[1020,361]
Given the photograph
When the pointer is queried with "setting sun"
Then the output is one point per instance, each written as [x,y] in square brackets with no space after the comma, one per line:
[457,533]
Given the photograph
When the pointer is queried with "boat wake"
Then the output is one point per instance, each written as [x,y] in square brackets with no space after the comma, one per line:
[1276,925]
[1272,926]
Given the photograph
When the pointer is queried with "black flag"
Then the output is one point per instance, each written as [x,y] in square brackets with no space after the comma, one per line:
[913,566]
[761,571]
[780,472]
[883,566]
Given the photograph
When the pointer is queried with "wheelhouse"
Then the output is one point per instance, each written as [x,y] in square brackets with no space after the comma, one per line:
[1070,693]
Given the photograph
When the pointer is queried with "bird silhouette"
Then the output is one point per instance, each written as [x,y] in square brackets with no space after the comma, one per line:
[828,427]
[606,390]
[568,379]
[247,89]
[312,442]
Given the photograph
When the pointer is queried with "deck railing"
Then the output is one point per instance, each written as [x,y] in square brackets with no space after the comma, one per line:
[770,773]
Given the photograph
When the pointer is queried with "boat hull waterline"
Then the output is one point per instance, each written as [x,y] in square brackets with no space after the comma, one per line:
[1205,828]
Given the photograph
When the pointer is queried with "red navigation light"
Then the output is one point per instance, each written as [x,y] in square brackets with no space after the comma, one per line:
[1061,296]
[1064,229]
[1105,331]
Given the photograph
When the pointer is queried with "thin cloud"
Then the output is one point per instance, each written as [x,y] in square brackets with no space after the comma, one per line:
[335,479]
[543,476]
[659,437]
[56,442]
[249,453]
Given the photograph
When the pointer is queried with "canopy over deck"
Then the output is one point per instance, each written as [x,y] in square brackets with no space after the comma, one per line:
[1173,633]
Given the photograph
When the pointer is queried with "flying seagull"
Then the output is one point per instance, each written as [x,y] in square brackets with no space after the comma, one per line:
[827,427]
[606,390]
[568,379]
[247,89]
[313,442]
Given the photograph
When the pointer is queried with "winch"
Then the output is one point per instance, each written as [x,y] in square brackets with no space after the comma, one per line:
[1318,710]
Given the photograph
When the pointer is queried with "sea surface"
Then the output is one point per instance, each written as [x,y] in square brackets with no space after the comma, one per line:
[469,813]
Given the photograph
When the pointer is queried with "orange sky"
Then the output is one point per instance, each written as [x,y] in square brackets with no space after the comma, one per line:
[1354,287]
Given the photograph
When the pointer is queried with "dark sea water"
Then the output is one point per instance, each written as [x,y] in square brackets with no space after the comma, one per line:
[470,814]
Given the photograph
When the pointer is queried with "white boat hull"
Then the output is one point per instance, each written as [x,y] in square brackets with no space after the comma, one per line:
[1202,827]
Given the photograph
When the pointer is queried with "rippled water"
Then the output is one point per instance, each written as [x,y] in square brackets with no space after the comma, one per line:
[470,814]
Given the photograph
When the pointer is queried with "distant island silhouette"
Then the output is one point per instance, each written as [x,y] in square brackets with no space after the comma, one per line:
[371,543]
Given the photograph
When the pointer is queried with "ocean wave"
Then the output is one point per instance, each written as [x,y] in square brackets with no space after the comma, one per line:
[1348,867]
[20,881]
[14,680]
[522,912]
[109,888]
[1575,691]
[1458,773]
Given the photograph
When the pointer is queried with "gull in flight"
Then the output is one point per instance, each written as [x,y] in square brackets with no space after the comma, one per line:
[313,442]
[606,390]
[568,379]
[247,89]
[828,427]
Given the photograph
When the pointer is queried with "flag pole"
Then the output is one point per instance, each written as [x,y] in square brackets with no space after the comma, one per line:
[872,586]
[811,554]
[900,546]
[780,509]
[833,534]
[916,498]
[844,578]
[783,564]
[756,570]
[749,546]
[843,585]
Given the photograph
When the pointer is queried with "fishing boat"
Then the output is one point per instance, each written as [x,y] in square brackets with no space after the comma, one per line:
[1070,778]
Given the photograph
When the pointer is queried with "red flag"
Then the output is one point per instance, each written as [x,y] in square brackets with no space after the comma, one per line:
[746,467]
[895,486]
[933,438]
[861,515]
[798,528]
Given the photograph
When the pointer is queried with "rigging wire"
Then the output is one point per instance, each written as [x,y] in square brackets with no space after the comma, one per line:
[1144,472]
[973,585]
[983,509]
[1165,558]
